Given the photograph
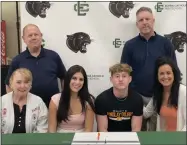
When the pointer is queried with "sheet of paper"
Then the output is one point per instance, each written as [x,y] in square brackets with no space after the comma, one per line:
[125,138]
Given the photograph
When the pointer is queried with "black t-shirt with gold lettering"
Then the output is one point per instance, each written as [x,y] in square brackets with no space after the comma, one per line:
[119,111]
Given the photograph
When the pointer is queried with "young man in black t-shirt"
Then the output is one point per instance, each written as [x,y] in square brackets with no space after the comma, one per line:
[119,108]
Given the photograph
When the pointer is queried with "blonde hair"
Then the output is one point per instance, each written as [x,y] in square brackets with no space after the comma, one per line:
[119,67]
[23,71]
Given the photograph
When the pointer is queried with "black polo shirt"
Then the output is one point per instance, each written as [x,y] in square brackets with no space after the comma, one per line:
[45,68]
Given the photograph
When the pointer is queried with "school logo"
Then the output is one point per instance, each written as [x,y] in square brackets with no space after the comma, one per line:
[37,8]
[118,43]
[178,39]
[159,7]
[121,8]
[81,8]
[78,42]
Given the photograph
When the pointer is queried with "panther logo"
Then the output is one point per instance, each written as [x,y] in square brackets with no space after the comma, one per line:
[78,42]
[178,39]
[37,8]
[121,8]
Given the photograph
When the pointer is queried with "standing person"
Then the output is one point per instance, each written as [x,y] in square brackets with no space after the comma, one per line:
[119,108]
[73,109]
[45,65]
[142,51]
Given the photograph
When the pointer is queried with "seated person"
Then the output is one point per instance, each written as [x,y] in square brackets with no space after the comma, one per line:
[169,98]
[73,109]
[119,109]
[23,112]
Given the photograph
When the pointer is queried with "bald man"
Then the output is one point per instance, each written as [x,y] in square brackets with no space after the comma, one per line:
[46,65]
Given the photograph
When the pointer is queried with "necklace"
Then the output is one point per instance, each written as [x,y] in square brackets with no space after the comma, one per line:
[122,99]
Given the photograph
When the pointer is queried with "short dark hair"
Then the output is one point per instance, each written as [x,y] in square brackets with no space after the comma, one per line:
[143,9]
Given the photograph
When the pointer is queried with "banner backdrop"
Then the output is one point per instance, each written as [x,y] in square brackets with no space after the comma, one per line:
[92,34]
[3,42]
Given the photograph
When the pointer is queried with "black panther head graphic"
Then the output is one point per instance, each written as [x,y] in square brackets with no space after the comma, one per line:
[78,42]
[121,8]
[37,8]
[178,39]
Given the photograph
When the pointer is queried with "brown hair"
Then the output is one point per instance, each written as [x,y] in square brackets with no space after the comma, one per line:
[143,9]
[119,67]
[23,71]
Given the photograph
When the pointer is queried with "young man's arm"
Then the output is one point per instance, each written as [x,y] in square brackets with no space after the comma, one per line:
[136,122]
[101,114]
[102,123]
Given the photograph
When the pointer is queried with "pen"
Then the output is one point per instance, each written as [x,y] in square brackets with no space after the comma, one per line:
[98,135]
